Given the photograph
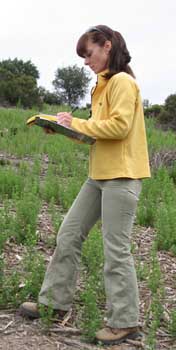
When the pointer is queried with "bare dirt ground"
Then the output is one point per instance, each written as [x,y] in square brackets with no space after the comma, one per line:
[17,333]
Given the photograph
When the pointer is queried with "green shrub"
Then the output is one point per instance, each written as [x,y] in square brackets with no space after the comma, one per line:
[166,227]
[157,190]
[93,294]
[10,182]
[172,324]
[27,210]
[91,315]
[32,275]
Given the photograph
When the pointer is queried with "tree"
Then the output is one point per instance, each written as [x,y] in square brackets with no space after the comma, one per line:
[48,97]
[170,104]
[153,110]
[71,84]
[18,83]
[168,114]
[167,117]
[18,67]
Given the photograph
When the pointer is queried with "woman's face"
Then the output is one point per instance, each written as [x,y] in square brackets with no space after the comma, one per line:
[97,57]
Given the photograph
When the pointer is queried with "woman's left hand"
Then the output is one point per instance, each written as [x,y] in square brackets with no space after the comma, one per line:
[64,118]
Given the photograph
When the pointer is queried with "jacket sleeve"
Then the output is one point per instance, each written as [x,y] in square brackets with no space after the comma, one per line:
[122,99]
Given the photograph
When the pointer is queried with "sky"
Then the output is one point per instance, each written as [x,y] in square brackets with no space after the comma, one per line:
[46,32]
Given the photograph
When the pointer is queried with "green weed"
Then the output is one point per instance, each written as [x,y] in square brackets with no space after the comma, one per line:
[166,228]
[156,191]
[93,294]
[31,275]
[47,313]
[172,324]
[91,315]
[27,210]
[155,276]
[9,290]
[142,270]
[56,216]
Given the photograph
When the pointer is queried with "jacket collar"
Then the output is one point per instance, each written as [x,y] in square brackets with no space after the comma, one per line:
[101,79]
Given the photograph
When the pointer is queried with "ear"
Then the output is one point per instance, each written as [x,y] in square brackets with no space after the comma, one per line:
[107,46]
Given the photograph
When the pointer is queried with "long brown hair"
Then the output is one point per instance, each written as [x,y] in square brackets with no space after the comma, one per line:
[119,54]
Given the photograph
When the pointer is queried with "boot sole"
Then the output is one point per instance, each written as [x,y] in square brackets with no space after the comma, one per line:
[32,314]
[136,335]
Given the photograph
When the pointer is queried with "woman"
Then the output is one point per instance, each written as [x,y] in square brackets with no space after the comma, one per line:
[118,162]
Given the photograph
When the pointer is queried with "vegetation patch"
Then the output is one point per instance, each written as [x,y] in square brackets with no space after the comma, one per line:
[38,183]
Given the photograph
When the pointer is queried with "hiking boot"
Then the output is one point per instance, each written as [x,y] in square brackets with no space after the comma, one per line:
[32,310]
[113,336]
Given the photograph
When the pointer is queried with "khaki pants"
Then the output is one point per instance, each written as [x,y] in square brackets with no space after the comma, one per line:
[114,201]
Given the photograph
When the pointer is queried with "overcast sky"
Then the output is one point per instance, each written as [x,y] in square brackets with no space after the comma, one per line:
[46,32]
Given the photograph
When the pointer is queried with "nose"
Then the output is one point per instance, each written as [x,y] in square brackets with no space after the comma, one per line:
[86,61]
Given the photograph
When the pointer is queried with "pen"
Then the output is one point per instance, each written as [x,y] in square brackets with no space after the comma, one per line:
[74,109]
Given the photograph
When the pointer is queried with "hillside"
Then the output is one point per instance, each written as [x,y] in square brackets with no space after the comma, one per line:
[38,182]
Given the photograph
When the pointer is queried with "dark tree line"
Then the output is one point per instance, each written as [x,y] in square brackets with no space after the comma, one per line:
[165,114]
[18,85]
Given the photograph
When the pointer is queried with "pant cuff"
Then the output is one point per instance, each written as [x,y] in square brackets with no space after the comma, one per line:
[55,306]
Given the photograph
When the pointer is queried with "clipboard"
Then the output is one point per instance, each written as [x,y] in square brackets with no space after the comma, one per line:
[50,122]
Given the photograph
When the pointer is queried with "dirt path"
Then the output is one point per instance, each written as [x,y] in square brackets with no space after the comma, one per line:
[20,334]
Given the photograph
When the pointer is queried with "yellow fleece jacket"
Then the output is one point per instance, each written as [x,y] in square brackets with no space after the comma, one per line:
[117,123]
